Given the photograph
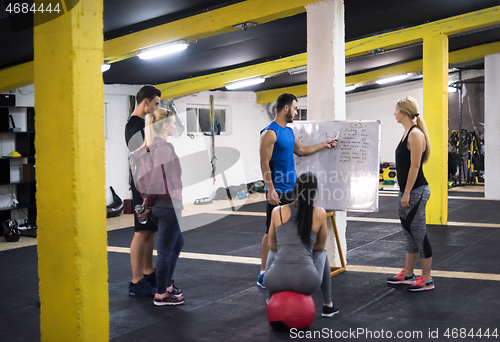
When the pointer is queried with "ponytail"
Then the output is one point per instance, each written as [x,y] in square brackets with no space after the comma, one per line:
[149,133]
[305,193]
[421,125]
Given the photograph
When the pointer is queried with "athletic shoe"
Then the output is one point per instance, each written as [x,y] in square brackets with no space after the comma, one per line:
[151,279]
[260,280]
[402,278]
[329,311]
[422,285]
[175,291]
[167,299]
[141,289]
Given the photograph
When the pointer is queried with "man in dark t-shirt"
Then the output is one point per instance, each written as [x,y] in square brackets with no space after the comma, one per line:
[141,248]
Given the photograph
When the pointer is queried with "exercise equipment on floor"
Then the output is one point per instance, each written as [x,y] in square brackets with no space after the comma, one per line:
[288,309]
[204,200]
[10,231]
[115,208]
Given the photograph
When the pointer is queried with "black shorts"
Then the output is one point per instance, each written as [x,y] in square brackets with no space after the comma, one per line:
[137,199]
[285,198]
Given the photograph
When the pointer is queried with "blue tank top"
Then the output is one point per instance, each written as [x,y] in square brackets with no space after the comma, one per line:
[282,164]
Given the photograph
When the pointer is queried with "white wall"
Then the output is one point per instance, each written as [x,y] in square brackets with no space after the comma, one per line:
[379,104]
[116,102]
[245,119]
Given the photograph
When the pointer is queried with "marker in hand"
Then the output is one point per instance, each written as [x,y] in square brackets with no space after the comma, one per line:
[337,135]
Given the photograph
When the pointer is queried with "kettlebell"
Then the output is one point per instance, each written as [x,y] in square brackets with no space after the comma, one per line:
[10,231]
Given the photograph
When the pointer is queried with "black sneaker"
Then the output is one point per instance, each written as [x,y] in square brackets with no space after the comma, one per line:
[329,311]
[167,299]
[151,279]
[141,289]
[260,280]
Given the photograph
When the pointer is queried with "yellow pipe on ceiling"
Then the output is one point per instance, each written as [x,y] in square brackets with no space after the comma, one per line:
[449,26]
[16,76]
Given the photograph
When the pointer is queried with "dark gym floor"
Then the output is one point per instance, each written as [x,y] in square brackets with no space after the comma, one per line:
[223,302]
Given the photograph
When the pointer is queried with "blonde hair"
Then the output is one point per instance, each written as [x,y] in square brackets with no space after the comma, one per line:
[154,124]
[409,106]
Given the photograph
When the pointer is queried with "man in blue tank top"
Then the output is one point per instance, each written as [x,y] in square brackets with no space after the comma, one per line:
[277,147]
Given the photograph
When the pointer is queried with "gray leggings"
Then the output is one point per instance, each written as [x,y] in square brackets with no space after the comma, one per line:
[300,278]
[413,222]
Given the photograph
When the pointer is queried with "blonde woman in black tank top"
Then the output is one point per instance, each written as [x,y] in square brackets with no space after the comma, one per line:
[411,153]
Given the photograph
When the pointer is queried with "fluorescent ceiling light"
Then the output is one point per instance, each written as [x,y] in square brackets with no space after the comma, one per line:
[105,67]
[245,83]
[297,70]
[350,87]
[391,79]
[163,50]
[245,26]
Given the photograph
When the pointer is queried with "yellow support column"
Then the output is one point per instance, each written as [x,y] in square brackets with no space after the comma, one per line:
[69,105]
[435,113]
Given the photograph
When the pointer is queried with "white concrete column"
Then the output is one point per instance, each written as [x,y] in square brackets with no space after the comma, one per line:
[326,83]
[491,126]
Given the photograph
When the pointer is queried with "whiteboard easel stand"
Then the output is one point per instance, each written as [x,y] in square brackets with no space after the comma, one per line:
[336,270]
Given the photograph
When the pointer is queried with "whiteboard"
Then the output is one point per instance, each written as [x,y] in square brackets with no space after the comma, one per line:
[348,175]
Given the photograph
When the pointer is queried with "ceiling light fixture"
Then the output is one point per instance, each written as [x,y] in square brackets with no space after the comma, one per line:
[350,87]
[452,89]
[245,83]
[298,70]
[105,67]
[163,50]
[391,79]
[245,26]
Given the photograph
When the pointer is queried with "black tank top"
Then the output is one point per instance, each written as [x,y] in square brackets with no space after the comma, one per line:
[403,162]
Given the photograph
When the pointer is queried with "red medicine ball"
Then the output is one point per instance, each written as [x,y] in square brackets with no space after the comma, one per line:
[290,309]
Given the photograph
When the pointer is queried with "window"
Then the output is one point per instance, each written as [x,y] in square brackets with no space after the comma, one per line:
[198,120]
[301,114]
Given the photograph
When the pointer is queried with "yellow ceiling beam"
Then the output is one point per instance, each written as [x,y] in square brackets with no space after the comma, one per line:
[268,96]
[399,69]
[455,57]
[220,79]
[473,53]
[16,76]
[449,26]
[203,25]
